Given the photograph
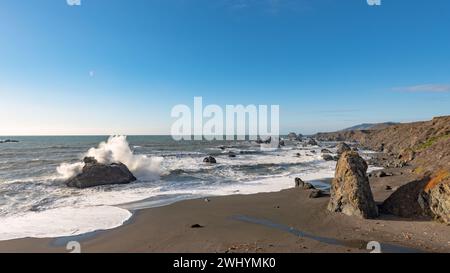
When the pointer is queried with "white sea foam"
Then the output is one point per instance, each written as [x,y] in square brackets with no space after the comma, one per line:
[61,222]
[46,209]
[67,170]
[116,149]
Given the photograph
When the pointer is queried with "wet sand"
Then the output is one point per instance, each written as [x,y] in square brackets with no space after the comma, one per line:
[286,221]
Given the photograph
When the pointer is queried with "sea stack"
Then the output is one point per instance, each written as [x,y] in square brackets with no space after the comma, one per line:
[350,189]
[97,174]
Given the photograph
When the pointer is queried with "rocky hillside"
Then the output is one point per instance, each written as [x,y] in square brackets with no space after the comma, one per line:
[371,126]
[425,145]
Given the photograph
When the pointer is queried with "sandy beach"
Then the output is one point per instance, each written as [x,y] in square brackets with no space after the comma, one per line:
[286,221]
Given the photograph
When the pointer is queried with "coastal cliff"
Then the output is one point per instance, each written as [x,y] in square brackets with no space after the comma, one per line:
[422,146]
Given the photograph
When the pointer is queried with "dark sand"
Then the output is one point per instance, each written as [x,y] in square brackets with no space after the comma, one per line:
[286,221]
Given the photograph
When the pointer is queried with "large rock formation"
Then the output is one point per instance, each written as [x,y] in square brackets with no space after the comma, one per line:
[439,202]
[97,174]
[350,189]
[435,198]
[404,202]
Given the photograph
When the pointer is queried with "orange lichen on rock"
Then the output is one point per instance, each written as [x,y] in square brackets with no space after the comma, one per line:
[437,179]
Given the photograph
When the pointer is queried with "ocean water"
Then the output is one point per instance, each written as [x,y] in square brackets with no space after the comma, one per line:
[35,202]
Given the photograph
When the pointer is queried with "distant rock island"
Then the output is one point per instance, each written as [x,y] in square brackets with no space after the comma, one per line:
[9,141]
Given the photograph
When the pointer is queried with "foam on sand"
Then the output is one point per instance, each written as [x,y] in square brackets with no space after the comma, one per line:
[61,222]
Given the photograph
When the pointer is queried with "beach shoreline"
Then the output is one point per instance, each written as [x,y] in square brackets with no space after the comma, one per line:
[285,221]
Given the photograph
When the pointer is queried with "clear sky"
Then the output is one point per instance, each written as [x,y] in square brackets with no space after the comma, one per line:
[119,66]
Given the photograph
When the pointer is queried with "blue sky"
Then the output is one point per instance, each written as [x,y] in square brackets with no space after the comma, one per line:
[118,66]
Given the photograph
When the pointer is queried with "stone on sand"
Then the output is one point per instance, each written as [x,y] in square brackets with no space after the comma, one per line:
[350,190]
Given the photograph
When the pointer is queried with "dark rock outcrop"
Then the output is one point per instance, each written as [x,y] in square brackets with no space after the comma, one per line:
[312,142]
[294,137]
[96,174]
[267,141]
[210,160]
[350,189]
[327,157]
[342,148]
[299,182]
[9,141]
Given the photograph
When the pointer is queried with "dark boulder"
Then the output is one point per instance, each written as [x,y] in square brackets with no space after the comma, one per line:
[327,157]
[295,137]
[96,174]
[342,148]
[267,141]
[210,160]
[9,141]
[299,182]
[312,142]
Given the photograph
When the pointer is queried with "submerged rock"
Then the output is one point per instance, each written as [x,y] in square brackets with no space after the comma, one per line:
[350,189]
[96,174]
